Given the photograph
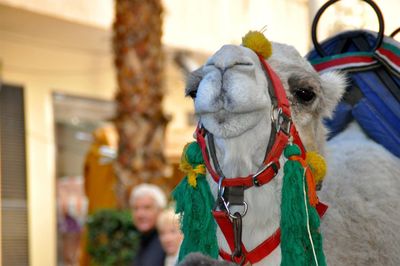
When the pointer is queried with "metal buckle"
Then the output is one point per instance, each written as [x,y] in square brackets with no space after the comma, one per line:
[281,121]
[256,182]
[226,204]
[228,210]
[237,253]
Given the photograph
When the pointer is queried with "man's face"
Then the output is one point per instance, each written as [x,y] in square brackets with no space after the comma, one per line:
[145,213]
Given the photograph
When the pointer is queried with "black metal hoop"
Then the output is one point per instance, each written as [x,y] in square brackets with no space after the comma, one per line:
[395,32]
[319,48]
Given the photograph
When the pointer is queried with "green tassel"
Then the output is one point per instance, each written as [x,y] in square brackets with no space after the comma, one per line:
[296,246]
[195,205]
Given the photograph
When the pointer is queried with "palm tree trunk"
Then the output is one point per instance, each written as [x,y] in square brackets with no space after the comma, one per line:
[140,120]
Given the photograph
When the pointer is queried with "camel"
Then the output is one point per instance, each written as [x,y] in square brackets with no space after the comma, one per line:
[232,101]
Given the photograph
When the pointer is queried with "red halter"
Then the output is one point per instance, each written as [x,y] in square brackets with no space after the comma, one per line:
[285,128]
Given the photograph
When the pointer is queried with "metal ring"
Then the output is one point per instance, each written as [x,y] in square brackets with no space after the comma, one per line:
[242,214]
[221,189]
[242,258]
[319,48]
[275,120]
[395,32]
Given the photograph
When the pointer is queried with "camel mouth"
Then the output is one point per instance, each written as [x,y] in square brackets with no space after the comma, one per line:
[225,117]
[224,112]
[226,105]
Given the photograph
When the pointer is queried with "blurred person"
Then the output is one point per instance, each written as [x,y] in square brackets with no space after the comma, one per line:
[170,235]
[70,231]
[146,202]
[71,212]
[99,178]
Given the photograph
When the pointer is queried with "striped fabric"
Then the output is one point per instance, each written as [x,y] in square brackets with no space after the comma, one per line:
[344,61]
[390,53]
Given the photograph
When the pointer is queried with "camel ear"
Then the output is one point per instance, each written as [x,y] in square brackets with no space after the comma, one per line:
[192,82]
[333,86]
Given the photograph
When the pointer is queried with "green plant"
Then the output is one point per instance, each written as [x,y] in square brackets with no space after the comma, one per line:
[112,238]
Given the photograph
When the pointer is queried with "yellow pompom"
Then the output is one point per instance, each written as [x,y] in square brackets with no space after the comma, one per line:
[257,42]
[317,164]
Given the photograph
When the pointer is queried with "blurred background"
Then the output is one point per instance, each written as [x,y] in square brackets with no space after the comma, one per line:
[100,85]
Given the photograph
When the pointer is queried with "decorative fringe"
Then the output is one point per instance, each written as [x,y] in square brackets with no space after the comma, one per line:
[194,202]
[301,241]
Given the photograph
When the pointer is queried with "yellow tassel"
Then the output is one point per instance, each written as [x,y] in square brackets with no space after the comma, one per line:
[317,164]
[257,42]
[191,172]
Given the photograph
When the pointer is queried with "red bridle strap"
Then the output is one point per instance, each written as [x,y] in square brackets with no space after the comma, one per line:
[262,250]
[264,177]
[279,90]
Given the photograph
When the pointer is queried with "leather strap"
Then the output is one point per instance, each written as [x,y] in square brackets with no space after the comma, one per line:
[262,250]
[263,178]
[279,90]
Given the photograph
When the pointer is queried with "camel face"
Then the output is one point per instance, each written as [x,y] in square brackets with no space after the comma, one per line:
[231,93]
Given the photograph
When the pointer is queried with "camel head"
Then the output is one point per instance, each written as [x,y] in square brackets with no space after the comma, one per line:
[231,92]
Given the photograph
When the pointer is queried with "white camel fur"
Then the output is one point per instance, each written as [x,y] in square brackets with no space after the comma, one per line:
[232,102]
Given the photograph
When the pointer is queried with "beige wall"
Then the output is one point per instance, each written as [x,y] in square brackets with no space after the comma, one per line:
[93,12]
[38,53]
[199,25]
[208,24]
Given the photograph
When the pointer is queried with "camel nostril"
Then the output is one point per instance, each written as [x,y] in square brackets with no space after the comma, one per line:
[193,94]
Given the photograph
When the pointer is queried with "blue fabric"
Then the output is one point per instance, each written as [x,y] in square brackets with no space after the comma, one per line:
[376,126]
[379,96]
[378,111]
[342,117]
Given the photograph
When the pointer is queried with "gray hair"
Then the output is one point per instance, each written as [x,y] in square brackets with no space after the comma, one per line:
[148,190]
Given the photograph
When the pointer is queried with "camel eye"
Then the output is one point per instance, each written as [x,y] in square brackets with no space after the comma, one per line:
[304,95]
